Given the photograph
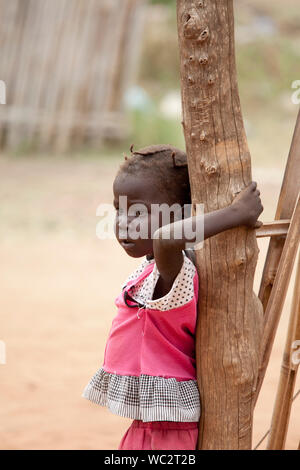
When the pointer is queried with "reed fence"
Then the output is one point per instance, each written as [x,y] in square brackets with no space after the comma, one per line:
[66,65]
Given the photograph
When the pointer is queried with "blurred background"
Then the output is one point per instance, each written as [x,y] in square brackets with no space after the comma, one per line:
[84,80]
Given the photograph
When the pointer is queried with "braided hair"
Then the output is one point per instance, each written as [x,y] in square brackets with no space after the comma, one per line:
[165,164]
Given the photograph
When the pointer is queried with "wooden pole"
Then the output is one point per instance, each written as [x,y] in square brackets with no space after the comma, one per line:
[230,316]
[289,367]
[278,293]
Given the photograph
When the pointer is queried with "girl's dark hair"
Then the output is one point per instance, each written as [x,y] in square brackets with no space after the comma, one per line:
[166,165]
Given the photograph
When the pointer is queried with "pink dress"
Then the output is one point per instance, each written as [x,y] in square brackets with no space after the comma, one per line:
[148,373]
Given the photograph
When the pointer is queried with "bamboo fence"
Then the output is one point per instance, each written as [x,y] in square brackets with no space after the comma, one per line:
[66,65]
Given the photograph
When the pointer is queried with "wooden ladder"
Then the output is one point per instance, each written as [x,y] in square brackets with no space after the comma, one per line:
[284,233]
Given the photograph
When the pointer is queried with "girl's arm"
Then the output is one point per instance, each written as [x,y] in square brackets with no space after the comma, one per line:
[167,249]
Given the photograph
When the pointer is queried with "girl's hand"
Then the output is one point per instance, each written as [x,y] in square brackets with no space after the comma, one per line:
[248,206]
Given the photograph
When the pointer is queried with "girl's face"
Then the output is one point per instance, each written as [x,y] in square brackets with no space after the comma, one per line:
[135,222]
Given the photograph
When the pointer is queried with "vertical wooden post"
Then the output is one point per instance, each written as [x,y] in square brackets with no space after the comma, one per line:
[288,374]
[230,316]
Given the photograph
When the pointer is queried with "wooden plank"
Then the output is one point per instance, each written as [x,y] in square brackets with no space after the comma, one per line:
[100,33]
[129,46]
[42,73]
[104,62]
[13,16]
[277,228]
[67,83]
[76,75]
[50,100]
[25,76]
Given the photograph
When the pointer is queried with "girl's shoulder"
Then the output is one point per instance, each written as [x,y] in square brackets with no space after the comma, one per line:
[138,271]
[184,287]
[183,290]
[188,265]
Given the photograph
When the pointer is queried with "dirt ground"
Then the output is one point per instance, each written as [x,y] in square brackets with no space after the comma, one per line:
[58,284]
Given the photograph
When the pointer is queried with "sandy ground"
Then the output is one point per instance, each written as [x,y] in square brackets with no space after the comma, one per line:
[58,284]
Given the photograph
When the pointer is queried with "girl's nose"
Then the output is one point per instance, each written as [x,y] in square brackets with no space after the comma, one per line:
[122,226]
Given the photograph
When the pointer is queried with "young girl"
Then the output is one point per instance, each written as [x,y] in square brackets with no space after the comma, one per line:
[148,372]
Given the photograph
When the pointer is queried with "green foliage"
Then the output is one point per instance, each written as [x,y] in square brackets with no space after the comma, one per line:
[148,128]
[153,128]
[159,65]
[266,70]
[163,2]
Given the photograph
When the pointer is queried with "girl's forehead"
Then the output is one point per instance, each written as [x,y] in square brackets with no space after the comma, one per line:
[135,188]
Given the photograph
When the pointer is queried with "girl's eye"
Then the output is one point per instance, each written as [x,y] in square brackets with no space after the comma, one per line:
[140,213]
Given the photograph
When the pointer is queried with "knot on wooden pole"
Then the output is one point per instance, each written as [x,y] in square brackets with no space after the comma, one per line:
[212,169]
[211,79]
[191,27]
[204,35]
[240,261]
[203,59]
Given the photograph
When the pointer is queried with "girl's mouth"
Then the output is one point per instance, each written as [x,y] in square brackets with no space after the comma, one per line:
[127,244]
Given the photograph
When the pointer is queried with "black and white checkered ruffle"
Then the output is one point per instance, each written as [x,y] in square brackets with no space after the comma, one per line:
[146,397]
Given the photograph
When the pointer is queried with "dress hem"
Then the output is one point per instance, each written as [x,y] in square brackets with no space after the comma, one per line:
[146,398]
